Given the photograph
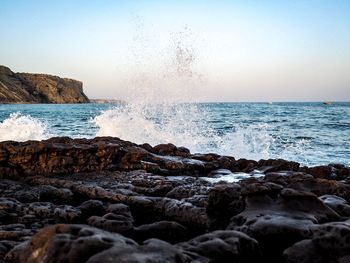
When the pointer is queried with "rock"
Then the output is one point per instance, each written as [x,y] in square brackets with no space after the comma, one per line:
[152,251]
[169,231]
[160,196]
[6,246]
[321,186]
[305,251]
[279,222]
[223,246]
[333,237]
[54,195]
[330,242]
[171,149]
[70,243]
[90,208]
[119,219]
[39,88]
[185,213]
[336,203]
[224,201]
[64,213]
[181,192]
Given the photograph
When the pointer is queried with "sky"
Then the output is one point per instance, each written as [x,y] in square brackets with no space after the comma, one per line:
[290,50]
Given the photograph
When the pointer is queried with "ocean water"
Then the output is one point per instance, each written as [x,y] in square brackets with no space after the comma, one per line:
[309,133]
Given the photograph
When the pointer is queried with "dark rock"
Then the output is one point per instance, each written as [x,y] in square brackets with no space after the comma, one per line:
[305,251]
[223,246]
[224,201]
[330,242]
[336,203]
[119,219]
[148,192]
[152,251]
[70,243]
[279,222]
[169,231]
[54,195]
[90,208]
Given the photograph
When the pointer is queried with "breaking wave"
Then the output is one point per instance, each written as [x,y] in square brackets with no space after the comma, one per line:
[18,127]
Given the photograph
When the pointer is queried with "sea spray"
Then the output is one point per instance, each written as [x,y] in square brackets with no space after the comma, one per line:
[158,108]
[18,127]
[161,107]
[251,142]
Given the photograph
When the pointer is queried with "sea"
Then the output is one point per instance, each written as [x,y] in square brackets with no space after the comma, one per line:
[309,133]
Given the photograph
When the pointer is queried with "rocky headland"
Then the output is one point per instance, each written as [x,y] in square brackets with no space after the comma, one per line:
[108,200]
[39,88]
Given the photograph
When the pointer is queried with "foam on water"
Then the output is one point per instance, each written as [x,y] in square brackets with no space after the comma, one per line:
[154,124]
[251,142]
[18,127]
[185,125]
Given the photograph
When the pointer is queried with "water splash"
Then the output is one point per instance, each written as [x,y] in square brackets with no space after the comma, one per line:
[18,127]
[158,110]
[250,142]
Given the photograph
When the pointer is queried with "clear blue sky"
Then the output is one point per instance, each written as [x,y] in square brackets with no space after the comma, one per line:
[290,50]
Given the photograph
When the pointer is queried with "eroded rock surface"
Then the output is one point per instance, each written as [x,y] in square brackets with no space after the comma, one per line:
[108,200]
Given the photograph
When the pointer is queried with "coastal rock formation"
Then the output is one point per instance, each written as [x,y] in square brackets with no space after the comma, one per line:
[109,200]
[39,88]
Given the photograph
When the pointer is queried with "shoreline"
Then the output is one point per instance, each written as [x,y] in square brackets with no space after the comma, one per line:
[64,199]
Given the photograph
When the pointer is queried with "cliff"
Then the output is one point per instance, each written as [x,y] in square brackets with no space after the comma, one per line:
[39,88]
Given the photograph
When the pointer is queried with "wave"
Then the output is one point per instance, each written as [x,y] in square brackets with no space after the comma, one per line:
[18,127]
[180,124]
[183,125]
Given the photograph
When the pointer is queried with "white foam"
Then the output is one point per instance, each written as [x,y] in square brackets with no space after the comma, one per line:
[250,142]
[18,127]
[179,124]
[183,125]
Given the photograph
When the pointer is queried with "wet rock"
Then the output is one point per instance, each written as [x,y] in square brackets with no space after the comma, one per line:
[171,149]
[320,186]
[152,251]
[224,201]
[165,149]
[336,203]
[305,251]
[333,237]
[70,243]
[54,195]
[330,242]
[181,192]
[186,213]
[273,165]
[14,253]
[279,222]
[223,246]
[5,247]
[63,213]
[169,231]
[90,208]
[112,222]
[119,219]
[164,192]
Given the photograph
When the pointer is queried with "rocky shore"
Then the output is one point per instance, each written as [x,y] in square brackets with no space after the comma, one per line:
[108,200]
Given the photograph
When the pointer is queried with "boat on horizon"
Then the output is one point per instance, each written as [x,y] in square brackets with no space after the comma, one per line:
[327,102]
